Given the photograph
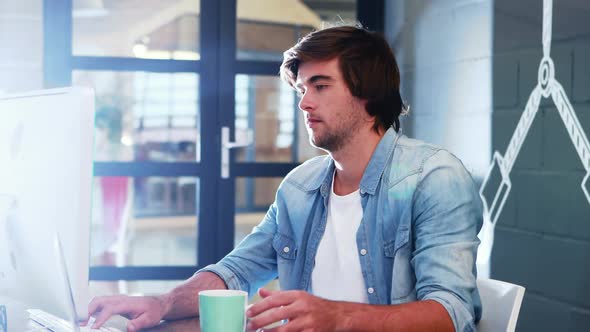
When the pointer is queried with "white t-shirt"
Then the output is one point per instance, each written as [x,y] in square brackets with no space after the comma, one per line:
[337,272]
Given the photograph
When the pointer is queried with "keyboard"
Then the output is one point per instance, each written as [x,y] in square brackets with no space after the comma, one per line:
[56,324]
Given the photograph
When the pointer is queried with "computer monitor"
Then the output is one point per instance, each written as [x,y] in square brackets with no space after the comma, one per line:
[46,148]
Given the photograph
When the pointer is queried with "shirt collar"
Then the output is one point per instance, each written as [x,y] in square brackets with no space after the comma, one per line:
[378,162]
[372,174]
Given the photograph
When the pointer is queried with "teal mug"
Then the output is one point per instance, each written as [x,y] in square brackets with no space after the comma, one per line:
[222,310]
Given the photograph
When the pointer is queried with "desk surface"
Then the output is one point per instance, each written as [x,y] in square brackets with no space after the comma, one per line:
[18,320]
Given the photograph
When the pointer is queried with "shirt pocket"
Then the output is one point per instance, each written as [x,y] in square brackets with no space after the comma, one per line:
[285,247]
[403,280]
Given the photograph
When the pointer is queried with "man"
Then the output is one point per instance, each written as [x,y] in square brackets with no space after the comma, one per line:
[381,234]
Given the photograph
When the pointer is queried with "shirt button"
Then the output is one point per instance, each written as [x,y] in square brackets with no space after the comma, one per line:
[370,290]
[363,252]
[286,249]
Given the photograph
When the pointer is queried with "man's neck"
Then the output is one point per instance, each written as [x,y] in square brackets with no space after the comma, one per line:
[352,160]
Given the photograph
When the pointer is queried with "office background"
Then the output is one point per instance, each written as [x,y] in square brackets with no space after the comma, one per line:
[170,74]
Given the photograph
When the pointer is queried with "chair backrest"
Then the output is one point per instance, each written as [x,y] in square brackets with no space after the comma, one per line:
[501,304]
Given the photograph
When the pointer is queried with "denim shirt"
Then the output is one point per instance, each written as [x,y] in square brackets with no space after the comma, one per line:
[421,216]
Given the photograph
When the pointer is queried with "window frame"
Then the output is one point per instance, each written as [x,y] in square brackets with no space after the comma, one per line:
[218,63]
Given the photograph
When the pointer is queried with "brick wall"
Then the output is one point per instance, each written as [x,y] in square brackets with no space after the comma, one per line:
[444,50]
[542,238]
[543,234]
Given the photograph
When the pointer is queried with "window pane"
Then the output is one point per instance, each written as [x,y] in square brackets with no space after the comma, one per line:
[265,29]
[155,287]
[144,115]
[144,221]
[268,106]
[253,197]
[142,29]
[143,287]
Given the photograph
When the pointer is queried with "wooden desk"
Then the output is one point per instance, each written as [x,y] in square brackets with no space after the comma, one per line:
[181,325]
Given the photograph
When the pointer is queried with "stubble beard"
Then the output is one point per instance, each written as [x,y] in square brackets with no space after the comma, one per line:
[335,139]
[330,142]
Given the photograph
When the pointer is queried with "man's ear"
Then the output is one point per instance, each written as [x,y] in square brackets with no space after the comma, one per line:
[372,119]
[364,102]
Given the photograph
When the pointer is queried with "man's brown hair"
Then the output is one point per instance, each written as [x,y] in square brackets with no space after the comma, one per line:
[366,63]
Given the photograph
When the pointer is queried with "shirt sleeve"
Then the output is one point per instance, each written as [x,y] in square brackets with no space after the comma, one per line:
[253,262]
[447,217]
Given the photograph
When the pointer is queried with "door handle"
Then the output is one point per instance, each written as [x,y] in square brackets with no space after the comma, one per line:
[243,139]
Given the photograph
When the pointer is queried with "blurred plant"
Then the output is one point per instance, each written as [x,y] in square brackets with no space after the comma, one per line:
[109,116]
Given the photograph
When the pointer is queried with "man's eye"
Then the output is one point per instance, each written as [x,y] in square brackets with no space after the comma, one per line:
[320,87]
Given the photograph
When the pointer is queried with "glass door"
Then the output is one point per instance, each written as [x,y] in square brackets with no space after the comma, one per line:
[194,128]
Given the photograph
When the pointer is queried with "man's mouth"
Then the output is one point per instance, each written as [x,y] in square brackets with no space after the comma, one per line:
[312,122]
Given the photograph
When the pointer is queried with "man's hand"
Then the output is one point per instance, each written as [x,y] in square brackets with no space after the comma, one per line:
[181,302]
[304,311]
[143,311]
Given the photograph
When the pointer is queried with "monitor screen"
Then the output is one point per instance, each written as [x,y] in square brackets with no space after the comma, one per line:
[46,145]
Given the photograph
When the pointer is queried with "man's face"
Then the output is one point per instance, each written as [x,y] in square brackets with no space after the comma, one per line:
[332,115]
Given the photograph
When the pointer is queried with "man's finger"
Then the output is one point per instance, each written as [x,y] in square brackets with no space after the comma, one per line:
[95,305]
[108,311]
[102,317]
[142,321]
[279,298]
[270,316]
[99,302]
[264,293]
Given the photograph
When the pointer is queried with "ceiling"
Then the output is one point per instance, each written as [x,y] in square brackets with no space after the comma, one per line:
[330,10]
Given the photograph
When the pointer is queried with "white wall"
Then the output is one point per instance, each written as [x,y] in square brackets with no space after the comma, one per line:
[444,50]
[21,45]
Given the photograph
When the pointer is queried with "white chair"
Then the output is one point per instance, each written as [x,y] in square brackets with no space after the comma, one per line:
[501,304]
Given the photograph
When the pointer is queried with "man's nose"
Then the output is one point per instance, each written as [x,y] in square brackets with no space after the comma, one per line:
[306,103]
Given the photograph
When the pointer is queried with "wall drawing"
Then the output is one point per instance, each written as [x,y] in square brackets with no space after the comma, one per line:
[502,164]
